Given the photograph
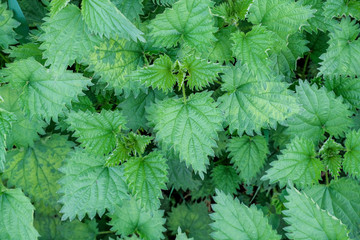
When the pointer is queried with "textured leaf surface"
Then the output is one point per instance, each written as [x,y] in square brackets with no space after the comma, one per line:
[88,187]
[57,5]
[7,26]
[348,88]
[225,179]
[248,154]
[187,20]
[96,132]
[297,163]
[130,8]
[6,121]
[308,221]
[146,177]
[43,92]
[341,199]
[182,236]
[130,218]
[321,112]
[104,18]
[191,128]
[237,221]
[66,38]
[17,216]
[351,162]
[330,154]
[335,8]
[251,104]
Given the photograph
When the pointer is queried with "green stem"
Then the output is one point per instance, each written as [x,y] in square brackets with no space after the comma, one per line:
[305,66]
[4,58]
[105,232]
[183,91]
[327,177]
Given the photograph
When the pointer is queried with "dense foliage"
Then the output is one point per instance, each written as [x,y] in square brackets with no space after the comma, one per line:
[186,119]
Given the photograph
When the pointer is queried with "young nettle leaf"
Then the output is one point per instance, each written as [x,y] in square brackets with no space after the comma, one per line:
[66,38]
[297,163]
[234,220]
[342,58]
[88,187]
[137,143]
[7,26]
[43,93]
[120,155]
[146,177]
[17,215]
[131,219]
[189,127]
[330,154]
[97,132]
[320,112]
[248,154]
[351,162]
[225,179]
[109,22]
[232,11]
[182,236]
[251,103]
[57,5]
[336,8]
[189,21]
[308,221]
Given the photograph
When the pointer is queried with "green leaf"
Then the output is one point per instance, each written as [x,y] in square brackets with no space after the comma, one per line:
[97,132]
[35,169]
[57,5]
[158,75]
[341,199]
[17,216]
[237,221]
[182,236]
[44,93]
[6,121]
[318,22]
[193,219]
[330,154]
[130,8]
[25,51]
[297,163]
[248,154]
[251,103]
[66,38]
[77,230]
[137,143]
[340,8]
[164,2]
[113,60]
[188,21]
[221,51]
[320,112]
[284,17]
[225,179]
[103,18]
[146,177]
[7,26]
[232,11]
[308,221]
[120,155]
[351,162]
[131,218]
[201,72]
[190,128]
[342,56]
[251,49]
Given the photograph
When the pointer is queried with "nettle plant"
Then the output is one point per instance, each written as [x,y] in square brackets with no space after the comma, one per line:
[186,119]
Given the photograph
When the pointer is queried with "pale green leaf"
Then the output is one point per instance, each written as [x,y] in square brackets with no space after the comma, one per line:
[351,162]
[318,22]
[6,121]
[130,8]
[340,8]
[7,26]
[182,236]
[57,5]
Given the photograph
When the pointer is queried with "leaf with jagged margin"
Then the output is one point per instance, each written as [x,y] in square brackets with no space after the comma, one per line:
[248,154]
[66,38]
[103,18]
[182,236]
[146,177]
[351,163]
[113,60]
[88,187]
[130,8]
[318,22]
[137,143]
[25,129]
[284,17]
[201,73]
[164,2]
[25,51]
[97,132]
[225,179]
[17,216]
[131,218]
[341,199]
[189,127]
[189,21]
[119,155]
[251,103]
[221,51]
[158,75]
[57,5]
[44,93]
[340,8]
[7,26]
[342,57]
[297,163]
[346,87]
[6,121]
[330,155]
[234,220]
[320,112]
[251,49]
[192,218]
[35,169]
[232,11]
[308,221]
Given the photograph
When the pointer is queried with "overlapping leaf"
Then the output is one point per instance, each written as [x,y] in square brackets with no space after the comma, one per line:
[7,26]
[351,162]
[225,179]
